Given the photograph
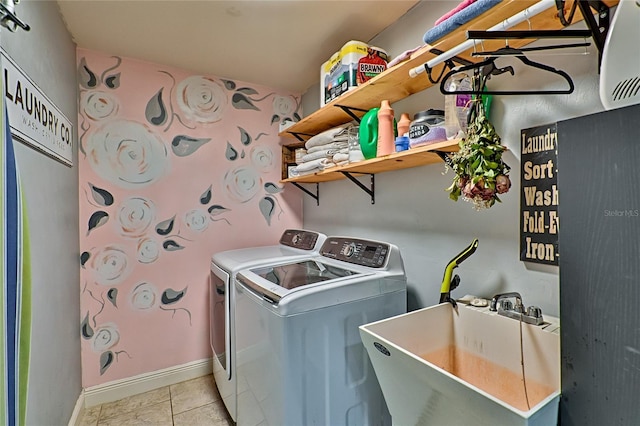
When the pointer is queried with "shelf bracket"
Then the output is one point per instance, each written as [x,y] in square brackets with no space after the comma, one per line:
[349,111]
[371,190]
[445,156]
[315,196]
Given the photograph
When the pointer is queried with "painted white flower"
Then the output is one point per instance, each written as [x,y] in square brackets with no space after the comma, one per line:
[98,105]
[105,337]
[284,106]
[242,183]
[262,158]
[197,220]
[148,250]
[110,265]
[144,296]
[135,216]
[201,99]
[127,153]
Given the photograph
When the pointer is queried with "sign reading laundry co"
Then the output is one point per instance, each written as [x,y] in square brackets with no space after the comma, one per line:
[33,118]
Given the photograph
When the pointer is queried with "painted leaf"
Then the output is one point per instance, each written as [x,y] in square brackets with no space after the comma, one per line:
[156,112]
[217,209]
[112,295]
[272,188]
[231,153]
[245,138]
[242,154]
[85,328]
[230,85]
[101,196]
[112,81]
[261,134]
[267,207]
[183,145]
[86,77]
[165,227]
[171,245]
[84,257]
[240,101]
[206,196]
[248,90]
[297,116]
[275,118]
[170,296]
[106,358]
[98,218]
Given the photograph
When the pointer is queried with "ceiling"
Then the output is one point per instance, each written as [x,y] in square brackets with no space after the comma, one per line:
[280,44]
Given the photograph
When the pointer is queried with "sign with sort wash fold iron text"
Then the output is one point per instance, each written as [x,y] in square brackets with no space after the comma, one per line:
[34,119]
[539,222]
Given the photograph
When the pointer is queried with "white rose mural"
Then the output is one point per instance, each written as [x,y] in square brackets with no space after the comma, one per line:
[148,250]
[105,337]
[262,158]
[242,183]
[98,105]
[197,220]
[110,265]
[144,296]
[127,154]
[201,99]
[135,216]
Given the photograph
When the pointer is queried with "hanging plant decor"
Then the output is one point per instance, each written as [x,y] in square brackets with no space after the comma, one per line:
[480,172]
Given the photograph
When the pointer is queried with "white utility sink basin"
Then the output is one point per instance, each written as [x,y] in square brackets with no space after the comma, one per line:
[445,367]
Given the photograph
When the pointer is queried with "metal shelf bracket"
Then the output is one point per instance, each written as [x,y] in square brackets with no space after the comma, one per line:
[315,196]
[371,190]
[349,111]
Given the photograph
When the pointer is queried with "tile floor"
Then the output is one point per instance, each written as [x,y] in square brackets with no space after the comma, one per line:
[192,403]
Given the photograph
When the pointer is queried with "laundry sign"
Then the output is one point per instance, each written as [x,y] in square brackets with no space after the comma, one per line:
[539,222]
[34,119]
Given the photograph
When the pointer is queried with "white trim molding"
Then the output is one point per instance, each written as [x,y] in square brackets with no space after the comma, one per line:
[118,389]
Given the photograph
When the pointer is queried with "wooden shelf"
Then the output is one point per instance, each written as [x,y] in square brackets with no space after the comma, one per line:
[414,157]
[395,83]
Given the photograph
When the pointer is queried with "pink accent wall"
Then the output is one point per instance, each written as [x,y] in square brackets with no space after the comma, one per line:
[173,168]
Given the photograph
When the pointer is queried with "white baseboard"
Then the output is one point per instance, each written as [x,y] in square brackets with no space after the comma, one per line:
[78,411]
[118,389]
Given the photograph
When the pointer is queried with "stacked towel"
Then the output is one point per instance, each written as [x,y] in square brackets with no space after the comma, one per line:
[459,18]
[327,149]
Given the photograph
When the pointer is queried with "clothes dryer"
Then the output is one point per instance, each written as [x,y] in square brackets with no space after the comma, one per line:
[299,353]
[294,244]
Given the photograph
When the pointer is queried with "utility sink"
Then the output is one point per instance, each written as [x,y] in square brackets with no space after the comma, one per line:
[445,366]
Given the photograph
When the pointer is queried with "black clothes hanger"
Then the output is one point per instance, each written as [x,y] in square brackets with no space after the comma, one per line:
[487,68]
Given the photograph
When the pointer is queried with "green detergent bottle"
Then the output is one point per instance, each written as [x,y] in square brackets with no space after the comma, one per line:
[368,133]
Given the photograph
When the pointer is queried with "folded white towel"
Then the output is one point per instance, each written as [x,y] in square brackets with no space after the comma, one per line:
[295,173]
[327,136]
[326,163]
[309,165]
[332,145]
[341,156]
[328,153]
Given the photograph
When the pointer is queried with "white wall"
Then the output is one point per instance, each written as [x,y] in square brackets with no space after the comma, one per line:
[412,208]
[47,55]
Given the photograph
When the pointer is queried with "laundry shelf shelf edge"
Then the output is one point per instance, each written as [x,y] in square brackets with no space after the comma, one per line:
[414,157]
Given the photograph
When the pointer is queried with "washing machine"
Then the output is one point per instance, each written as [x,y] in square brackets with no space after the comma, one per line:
[293,244]
[299,352]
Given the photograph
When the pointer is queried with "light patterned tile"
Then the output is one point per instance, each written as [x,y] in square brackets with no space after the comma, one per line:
[151,415]
[193,393]
[90,416]
[134,402]
[211,415]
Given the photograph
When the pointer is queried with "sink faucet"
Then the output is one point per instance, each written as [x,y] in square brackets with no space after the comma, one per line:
[494,301]
[531,315]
